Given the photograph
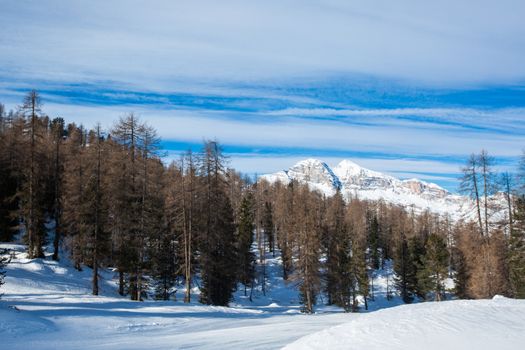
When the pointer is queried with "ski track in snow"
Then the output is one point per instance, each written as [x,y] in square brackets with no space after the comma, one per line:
[47,305]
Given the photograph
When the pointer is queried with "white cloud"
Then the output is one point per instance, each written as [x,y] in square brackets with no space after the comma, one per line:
[155,44]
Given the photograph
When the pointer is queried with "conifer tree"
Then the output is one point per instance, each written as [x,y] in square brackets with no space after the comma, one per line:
[94,208]
[434,269]
[33,189]
[126,207]
[268,226]
[218,253]
[338,254]
[245,232]
[470,185]
[416,247]
[516,255]
[373,242]
[58,133]
[10,154]
[461,276]
[360,275]
[405,273]
[309,216]
[73,193]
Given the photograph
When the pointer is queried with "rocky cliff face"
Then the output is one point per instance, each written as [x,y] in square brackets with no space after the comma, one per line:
[355,181]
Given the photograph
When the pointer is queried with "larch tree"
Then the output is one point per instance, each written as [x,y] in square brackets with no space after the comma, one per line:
[33,187]
[58,134]
[307,275]
[470,183]
[94,208]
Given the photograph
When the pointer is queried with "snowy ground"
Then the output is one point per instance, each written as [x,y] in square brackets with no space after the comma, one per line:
[46,305]
[459,324]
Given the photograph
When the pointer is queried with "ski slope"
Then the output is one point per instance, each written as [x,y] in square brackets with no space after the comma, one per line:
[47,305]
[460,324]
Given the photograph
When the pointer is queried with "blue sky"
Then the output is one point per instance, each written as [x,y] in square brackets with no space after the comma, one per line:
[407,87]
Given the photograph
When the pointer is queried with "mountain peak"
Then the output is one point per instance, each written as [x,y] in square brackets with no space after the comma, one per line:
[355,181]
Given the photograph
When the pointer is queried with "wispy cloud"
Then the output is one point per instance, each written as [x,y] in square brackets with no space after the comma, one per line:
[158,42]
[407,88]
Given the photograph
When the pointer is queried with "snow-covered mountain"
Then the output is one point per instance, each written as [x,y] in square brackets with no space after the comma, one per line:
[355,181]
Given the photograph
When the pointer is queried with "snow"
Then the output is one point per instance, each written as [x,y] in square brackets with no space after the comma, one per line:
[47,305]
[459,324]
[355,181]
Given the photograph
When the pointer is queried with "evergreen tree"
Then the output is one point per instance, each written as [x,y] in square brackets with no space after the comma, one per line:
[373,242]
[405,273]
[434,268]
[461,273]
[10,154]
[339,277]
[360,273]
[245,241]
[164,265]
[516,255]
[218,253]
[416,247]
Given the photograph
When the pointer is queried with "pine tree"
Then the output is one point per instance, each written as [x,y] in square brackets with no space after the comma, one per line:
[405,273]
[360,272]
[461,273]
[434,269]
[245,240]
[516,255]
[10,154]
[218,253]
[373,242]
[416,247]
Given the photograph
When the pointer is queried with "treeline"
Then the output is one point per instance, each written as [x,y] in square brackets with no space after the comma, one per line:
[112,202]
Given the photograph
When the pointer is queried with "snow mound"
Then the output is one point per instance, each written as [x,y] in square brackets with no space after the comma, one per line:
[474,324]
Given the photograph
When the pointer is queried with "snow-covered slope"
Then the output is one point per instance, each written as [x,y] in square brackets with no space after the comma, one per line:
[460,324]
[47,305]
[355,181]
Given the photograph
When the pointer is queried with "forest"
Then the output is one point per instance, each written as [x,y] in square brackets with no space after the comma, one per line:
[108,199]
